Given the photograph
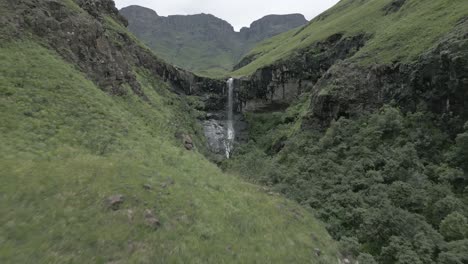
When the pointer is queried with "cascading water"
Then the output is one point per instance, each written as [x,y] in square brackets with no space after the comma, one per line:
[230,133]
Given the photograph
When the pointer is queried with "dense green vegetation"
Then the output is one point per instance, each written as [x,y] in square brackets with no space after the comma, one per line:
[66,146]
[389,184]
[397,36]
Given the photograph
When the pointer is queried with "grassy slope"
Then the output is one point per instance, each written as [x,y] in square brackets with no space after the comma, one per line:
[201,57]
[66,146]
[399,36]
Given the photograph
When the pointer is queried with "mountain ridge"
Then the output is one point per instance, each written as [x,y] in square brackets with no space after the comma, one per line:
[203,43]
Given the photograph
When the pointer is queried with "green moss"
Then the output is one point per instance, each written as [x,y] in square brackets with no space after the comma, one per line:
[401,36]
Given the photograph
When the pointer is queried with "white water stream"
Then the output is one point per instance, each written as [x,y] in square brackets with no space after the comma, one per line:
[230,133]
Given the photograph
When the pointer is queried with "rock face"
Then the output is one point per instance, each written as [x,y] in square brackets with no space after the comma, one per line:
[215,133]
[276,86]
[216,123]
[203,42]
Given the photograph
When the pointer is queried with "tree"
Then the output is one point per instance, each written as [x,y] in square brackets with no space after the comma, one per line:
[444,207]
[454,253]
[399,251]
[454,227]
[365,258]
[350,247]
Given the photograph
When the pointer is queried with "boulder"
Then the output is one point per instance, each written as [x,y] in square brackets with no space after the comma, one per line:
[318,252]
[151,220]
[188,142]
[115,201]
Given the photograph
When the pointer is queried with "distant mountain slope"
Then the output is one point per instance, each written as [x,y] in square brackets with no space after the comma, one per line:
[203,43]
[101,154]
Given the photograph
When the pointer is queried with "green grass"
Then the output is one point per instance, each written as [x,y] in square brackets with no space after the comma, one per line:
[401,36]
[66,146]
[200,57]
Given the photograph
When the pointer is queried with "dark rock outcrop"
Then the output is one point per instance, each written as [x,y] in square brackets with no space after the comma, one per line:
[276,86]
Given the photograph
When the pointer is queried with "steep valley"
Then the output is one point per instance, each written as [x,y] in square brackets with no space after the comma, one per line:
[343,140]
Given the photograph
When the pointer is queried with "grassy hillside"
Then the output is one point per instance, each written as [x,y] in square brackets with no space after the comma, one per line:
[396,36]
[66,146]
[202,57]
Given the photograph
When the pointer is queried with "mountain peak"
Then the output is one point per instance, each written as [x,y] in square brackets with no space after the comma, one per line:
[271,25]
[140,10]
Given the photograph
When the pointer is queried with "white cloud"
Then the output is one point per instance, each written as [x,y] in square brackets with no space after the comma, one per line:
[239,13]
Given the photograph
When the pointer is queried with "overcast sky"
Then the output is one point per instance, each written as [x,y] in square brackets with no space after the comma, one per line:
[239,13]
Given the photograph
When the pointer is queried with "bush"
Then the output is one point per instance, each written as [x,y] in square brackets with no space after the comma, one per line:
[350,247]
[454,227]
[365,258]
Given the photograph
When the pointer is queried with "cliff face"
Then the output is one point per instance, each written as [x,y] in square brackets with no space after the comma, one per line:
[203,43]
[282,83]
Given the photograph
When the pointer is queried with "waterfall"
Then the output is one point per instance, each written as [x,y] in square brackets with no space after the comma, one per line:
[230,133]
